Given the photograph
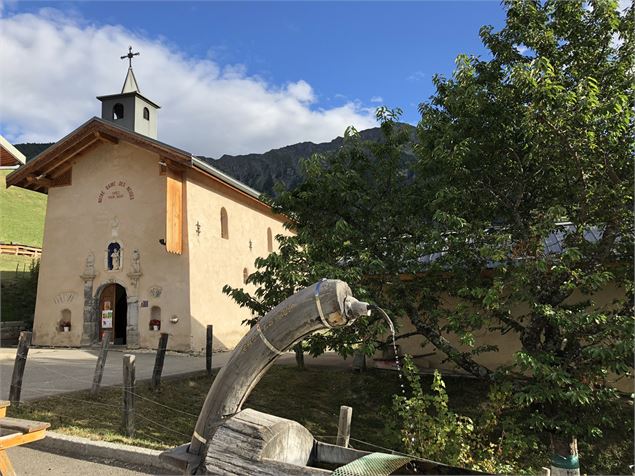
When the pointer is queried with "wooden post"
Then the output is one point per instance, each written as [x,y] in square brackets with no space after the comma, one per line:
[344,426]
[128,394]
[18,367]
[158,362]
[208,348]
[101,361]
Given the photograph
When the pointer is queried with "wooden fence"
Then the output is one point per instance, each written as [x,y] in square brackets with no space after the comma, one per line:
[20,250]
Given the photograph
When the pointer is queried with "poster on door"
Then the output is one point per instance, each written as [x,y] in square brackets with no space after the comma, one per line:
[106,319]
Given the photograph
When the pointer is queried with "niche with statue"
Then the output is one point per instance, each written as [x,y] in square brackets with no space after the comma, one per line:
[114,256]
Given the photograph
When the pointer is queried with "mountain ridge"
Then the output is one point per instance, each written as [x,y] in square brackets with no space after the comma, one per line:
[262,171]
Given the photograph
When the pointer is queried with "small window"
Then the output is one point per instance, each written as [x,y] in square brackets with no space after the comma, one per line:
[117,111]
[146,113]
[245,275]
[224,228]
[65,321]
[269,240]
[155,318]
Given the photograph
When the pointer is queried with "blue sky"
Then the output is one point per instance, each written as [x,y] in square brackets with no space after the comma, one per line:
[354,55]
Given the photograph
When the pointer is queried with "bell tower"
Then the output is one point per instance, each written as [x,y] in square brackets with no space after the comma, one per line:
[130,109]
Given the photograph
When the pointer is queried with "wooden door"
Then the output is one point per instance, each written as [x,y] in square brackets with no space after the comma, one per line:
[107,317]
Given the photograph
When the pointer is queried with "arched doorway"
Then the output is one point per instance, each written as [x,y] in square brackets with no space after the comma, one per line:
[113,309]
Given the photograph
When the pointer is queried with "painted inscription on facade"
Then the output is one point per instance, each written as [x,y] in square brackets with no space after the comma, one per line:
[115,190]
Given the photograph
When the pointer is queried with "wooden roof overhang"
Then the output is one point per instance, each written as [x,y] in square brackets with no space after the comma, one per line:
[42,171]
[9,155]
[46,169]
[7,159]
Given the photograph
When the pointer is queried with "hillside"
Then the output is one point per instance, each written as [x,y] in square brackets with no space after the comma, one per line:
[21,214]
[262,171]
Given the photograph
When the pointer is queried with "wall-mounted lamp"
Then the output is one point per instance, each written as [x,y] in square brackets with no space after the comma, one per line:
[162,241]
[162,163]
[198,228]
[174,319]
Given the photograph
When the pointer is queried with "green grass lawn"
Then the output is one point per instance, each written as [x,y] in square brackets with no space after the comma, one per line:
[11,266]
[21,214]
[311,397]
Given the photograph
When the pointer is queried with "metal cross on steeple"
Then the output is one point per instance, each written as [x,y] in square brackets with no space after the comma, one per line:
[130,55]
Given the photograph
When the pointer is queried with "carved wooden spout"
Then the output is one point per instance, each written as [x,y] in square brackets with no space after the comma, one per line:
[325,304]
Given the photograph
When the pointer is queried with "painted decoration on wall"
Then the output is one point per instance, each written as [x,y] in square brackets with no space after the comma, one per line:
[115,190]
[155,291]
[65,297]
[114,226]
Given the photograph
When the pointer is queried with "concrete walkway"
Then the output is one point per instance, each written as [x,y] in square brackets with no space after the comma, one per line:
[29,462]
[54,371]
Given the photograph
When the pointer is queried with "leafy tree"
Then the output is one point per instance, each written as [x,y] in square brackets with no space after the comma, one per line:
[347,203]
[529,146]
[536,143]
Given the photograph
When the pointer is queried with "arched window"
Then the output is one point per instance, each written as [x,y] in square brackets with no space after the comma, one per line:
[224,227]
[245,275]
[65,321]
[117,111]
[269,240]
[155,318]
[146,113]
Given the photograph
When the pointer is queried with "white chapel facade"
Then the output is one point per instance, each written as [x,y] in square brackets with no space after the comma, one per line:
[140,237]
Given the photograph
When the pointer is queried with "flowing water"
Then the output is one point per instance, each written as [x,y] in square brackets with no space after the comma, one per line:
[402,384]
[391,326]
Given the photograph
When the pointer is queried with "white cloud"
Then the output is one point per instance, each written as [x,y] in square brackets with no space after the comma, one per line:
[416,76]
[377,99]
[53,67]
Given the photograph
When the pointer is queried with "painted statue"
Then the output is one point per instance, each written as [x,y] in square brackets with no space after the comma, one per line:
[115,258]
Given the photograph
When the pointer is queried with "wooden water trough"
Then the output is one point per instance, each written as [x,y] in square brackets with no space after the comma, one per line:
[231,441]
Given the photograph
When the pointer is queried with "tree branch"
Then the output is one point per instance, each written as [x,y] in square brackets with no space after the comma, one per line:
[461,359]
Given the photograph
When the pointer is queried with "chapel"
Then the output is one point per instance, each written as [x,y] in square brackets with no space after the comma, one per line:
[140,237]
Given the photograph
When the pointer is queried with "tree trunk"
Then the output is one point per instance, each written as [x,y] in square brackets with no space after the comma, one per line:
[299,355]
[564,459]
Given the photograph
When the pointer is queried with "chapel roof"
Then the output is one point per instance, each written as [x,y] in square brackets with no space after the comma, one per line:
[9,155]
[48,167]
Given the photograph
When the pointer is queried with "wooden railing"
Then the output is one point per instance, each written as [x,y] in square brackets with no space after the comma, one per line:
[20,250]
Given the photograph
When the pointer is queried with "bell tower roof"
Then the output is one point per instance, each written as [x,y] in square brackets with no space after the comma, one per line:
[129,109]
[130,84]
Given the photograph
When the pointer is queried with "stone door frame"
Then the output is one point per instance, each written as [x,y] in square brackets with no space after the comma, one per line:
[91,314]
